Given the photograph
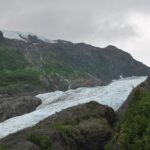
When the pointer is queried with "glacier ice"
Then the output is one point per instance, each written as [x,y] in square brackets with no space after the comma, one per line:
[112,95]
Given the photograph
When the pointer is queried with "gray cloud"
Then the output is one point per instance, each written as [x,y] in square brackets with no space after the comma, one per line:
[97,22]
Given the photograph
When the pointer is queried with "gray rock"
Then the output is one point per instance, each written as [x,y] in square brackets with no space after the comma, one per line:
[83,127]
[16,106]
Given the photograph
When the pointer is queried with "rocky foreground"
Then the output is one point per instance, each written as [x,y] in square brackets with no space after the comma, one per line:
[85,127]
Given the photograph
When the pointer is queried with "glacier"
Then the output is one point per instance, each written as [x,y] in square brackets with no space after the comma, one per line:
[112,95]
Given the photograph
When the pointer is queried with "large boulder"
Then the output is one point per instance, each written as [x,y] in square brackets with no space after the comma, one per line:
[16,106]
[83,127]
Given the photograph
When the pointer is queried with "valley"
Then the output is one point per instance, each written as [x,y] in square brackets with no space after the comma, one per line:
[55,94]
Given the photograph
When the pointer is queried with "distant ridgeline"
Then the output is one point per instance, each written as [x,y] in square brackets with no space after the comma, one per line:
[32,63]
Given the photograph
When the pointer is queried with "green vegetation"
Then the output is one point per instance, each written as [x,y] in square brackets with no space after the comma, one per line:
[58,70]
[11,59]
[2,147]
[43,141]
[20,79]
[133,131]
[17,74]
[14,72]
[67,130]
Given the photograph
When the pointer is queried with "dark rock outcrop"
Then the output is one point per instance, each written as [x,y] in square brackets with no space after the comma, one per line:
[1,35]
[83,127]
[16,106]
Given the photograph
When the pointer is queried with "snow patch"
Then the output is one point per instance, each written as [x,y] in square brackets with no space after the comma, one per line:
[23,36]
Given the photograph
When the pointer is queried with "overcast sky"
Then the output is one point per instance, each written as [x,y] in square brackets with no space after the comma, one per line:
[123,23]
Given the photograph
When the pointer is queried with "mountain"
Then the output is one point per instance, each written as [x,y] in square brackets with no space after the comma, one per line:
[30,63]
[33,64]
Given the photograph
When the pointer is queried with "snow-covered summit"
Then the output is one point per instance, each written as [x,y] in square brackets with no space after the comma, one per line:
[24,36]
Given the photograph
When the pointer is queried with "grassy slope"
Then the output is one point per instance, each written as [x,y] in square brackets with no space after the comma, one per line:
[16,74]
[133,130]
[14,70]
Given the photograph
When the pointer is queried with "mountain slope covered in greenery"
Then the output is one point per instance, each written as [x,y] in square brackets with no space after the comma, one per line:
[133,129]
[35,65]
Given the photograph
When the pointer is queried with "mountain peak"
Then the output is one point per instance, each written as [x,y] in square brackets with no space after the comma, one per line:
[111,47]
[25,36]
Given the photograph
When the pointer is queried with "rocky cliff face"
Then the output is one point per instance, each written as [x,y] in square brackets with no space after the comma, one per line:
[85,127]
[32,64]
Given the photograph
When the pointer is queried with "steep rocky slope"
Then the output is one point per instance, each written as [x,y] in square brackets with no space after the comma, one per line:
[83,127]
[133,128]
[29,64]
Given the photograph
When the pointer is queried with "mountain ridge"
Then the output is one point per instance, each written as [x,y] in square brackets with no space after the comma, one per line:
[33,65]
[61,64]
